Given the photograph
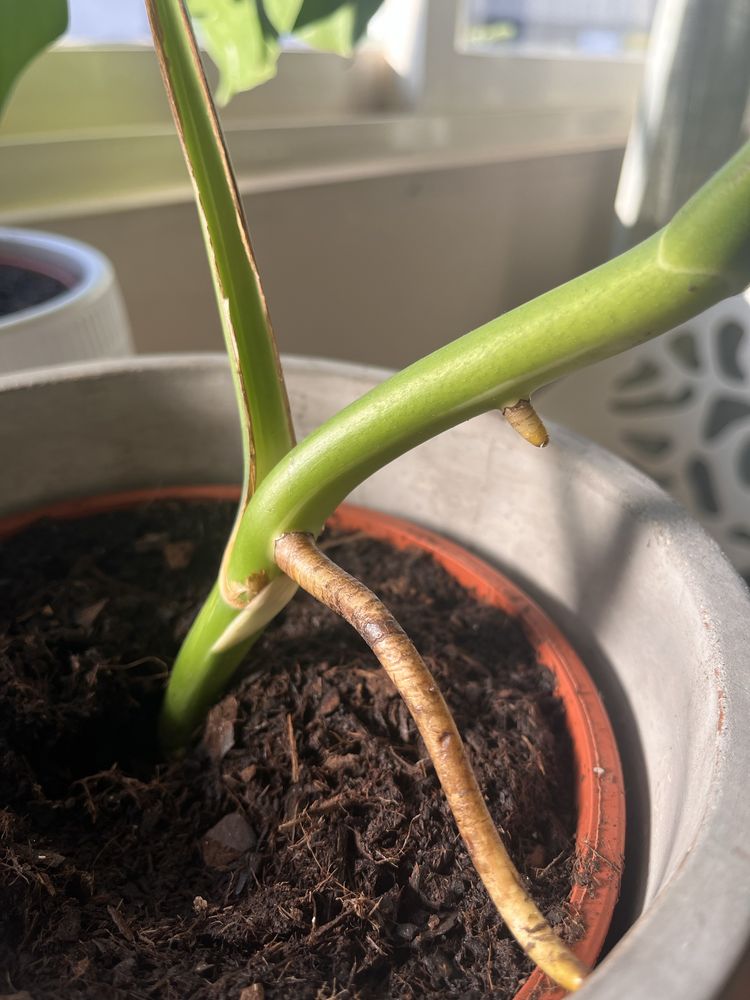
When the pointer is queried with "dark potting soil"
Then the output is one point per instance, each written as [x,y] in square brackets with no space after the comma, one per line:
[21,288]
[303,849]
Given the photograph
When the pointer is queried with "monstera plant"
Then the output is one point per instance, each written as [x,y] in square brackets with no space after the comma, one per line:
[290,489]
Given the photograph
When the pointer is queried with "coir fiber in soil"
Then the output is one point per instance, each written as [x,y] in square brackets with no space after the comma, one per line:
[304,849]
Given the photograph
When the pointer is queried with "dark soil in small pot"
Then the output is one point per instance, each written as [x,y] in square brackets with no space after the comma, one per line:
[303,848]
[23,287]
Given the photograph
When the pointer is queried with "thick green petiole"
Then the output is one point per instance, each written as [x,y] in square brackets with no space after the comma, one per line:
[701,257]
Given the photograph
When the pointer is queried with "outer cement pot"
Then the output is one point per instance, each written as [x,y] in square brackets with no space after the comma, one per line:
[677,408]
[647,599]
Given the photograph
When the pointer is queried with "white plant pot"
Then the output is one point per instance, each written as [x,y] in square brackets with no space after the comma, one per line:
[85,321]
[649,601]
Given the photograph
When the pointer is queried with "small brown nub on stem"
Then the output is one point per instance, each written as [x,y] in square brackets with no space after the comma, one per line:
[524,419]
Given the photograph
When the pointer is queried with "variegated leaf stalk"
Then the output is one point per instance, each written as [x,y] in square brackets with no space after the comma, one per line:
[202,671]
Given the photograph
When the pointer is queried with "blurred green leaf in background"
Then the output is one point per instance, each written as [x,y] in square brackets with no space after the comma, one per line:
[26,28]
[244,37]
[334,25]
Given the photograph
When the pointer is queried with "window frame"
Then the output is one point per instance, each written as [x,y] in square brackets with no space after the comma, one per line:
[90,125]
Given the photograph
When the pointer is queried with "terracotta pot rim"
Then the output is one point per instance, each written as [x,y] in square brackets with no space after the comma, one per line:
[600,830]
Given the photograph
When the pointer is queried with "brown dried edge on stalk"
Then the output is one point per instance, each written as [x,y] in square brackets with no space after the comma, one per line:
[299,558]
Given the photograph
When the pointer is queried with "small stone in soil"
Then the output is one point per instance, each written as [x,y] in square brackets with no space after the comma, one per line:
[218,737]
[178,555]
[254,992]
[228,841]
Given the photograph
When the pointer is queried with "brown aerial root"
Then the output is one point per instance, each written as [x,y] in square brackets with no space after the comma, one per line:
[525,421]
[298,556]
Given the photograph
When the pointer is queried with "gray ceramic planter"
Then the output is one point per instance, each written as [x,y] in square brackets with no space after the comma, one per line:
[648,600]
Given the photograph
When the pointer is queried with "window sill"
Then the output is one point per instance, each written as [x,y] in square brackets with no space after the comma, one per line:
[54,176]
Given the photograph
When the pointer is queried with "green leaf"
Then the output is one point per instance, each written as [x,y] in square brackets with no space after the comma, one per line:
[334,25]
[282,14]
[241,36]
[26,28]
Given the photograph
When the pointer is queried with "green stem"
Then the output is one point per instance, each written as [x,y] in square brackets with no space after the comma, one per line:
[267,435]
[261,395]
[701,257]
[199,677]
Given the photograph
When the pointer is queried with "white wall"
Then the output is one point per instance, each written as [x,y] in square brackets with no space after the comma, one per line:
[377,269]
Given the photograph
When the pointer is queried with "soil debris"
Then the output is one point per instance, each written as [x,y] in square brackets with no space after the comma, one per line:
[303,849]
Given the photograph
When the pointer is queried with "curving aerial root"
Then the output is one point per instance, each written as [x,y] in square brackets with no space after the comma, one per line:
[299,558]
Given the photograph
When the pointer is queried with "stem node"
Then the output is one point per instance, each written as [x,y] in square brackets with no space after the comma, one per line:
[524,419]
